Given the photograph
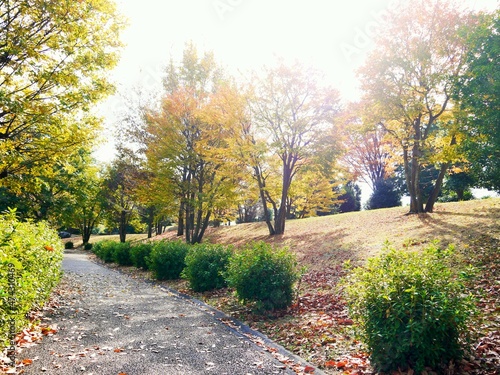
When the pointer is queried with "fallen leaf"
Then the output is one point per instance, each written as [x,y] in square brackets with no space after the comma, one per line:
[309,370]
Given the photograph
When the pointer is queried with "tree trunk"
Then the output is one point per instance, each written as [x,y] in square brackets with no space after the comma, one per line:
[429,206]
[262,192]
[151,216]
[279,220]
[122,229]
[86,232]
[204,226]
[180,220]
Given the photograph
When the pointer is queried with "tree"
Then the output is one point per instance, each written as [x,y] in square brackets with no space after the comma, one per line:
[457,186]
[293,112]
[408,82]
[311,192]
[477,92]
[351,198]
[54,58]
[189,142]
[368,150]
[385,194]
[84,198]
[121,182]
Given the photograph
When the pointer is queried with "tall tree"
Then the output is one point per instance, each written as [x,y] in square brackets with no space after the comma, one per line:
[189,142]
[294,112]
[54,58]
[478,94]
[84,198]
[368,153]
[121,184]
[408,81]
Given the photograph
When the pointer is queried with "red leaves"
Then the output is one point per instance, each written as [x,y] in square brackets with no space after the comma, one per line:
[309,370]
[334,364]
[356,363]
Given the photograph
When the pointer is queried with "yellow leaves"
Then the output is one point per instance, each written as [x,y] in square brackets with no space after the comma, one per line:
[53,76]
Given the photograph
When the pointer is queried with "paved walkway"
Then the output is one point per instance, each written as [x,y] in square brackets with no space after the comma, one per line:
[110,324]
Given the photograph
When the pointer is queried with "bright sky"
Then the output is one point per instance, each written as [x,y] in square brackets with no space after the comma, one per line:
[331,35]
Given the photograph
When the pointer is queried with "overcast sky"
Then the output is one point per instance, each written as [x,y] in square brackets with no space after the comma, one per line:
[331,35]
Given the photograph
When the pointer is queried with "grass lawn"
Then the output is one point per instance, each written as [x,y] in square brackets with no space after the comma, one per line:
[77,240]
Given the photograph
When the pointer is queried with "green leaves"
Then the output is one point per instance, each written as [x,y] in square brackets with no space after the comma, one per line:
[30,266]
[263,275]
[410,307]
[55,58]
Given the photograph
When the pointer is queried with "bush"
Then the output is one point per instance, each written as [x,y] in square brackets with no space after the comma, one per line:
[411,308]
[205,265]
[87,246]
[69,245]
[139,254]
[167,259]
[263,275]
[30,267]
[104,250]
[121,253]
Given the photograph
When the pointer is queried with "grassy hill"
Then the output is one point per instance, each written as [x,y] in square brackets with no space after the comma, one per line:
[358,235]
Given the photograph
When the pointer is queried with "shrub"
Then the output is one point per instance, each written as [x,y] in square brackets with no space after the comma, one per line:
[167,259]
[104,250]
[139,254]
[30,267]
[410,307]
[69,245]
[87,246]
[263,275]
[205,265]
[121,253]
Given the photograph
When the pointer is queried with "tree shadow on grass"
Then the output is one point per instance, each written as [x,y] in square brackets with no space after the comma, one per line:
[464,231]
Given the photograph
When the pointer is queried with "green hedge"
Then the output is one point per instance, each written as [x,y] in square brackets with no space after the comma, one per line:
[140,253]
[121,253]
[205,266]
[167,259]
[264,275]
[30,267]
[411,308]
[105,250]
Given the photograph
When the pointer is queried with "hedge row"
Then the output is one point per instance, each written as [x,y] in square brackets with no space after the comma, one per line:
[259,273]
[30,267]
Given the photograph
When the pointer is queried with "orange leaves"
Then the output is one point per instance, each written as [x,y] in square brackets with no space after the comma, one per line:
[334,364]
[48,331]
[27,362]
[355,363]
[48,248]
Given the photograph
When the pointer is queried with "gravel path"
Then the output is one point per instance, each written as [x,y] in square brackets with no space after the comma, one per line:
[111,324]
